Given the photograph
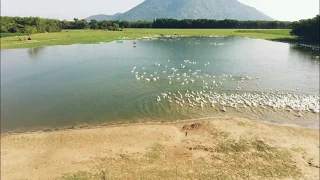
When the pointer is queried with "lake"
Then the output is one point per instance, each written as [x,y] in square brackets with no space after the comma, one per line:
[159,80]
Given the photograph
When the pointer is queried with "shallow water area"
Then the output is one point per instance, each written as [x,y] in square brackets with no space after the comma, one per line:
[93,84]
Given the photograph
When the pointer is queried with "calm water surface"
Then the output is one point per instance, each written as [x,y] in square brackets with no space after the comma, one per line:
[93,84]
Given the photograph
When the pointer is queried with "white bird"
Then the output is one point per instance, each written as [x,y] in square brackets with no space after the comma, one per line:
[299,114]
[224,109]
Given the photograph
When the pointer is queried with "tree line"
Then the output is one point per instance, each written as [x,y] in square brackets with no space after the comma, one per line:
[307,29]
[193,23]
[29,25]
[33,25]
[219,24]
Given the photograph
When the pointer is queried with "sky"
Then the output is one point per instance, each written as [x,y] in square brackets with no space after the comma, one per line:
[284,10]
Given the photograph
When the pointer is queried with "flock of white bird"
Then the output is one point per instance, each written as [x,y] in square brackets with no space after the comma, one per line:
[184,75]
[275,100]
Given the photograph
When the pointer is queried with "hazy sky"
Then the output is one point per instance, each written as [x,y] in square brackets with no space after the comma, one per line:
[289,10]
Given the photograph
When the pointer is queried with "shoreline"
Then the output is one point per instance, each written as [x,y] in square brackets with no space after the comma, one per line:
[95,37]
[292,41]
[149,122]
[209,144]
[288,41]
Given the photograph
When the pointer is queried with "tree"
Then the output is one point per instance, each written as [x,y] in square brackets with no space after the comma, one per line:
[307,29]
[115,27]
[94,24]
[3,29]
[66,24]
[80,24]
[30,29]
[15,28]
[26,24]
[110,28]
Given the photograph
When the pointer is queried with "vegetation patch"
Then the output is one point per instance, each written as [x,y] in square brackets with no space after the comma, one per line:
[307,29]
[3,35]
[227,159]
[67,37]
[81,175]
[281,32]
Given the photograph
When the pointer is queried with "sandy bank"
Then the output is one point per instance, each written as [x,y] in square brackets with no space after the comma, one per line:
[203,149]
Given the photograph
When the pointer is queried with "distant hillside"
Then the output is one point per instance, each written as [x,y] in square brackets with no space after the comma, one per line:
[101,17]
[187,9]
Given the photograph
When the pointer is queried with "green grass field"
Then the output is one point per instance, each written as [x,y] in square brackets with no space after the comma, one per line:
[67,37]
[3,35]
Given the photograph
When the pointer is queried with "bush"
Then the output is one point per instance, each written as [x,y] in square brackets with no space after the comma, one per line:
[307,29]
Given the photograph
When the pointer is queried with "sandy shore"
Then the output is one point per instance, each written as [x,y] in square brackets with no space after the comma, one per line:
[200,149]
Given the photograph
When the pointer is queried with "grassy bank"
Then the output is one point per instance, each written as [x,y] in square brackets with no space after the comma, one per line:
[3,35]
[96,36]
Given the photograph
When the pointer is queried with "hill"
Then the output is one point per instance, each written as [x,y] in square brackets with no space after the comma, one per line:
[101,17]
[186,9]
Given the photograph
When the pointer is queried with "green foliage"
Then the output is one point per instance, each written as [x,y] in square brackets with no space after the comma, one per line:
[29,25]
[96,36]
[94,24]
[221,24]
[33,25]
[67,24]
[282,32]
[115,27]
[191,24]
[12,34]
[307,29]
[30,29]
[110,28]
[80,24]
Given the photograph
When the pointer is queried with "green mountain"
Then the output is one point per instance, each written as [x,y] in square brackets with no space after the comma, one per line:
[188,9]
